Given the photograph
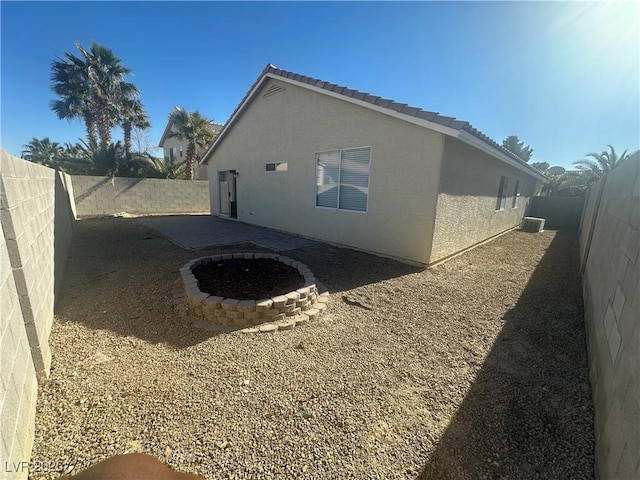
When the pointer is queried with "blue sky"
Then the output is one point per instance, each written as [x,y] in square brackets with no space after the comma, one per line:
[564,77]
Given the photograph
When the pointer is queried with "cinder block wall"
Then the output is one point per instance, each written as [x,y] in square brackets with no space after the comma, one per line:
[105,195]
[27,214]
[63,226]
[29,222]
[557,211]
[610,249]
[17,374]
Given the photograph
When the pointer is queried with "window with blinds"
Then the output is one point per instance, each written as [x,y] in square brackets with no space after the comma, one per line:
[342,179]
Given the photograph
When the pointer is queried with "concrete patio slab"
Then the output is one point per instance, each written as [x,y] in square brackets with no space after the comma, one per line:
[193,232]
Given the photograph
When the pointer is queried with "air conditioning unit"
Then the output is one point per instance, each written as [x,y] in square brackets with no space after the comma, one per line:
[533,224]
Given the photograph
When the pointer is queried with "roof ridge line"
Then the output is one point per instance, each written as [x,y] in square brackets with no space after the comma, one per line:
[445,120]
[392,105]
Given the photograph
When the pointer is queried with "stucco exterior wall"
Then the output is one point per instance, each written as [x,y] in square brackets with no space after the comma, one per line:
[105,195]
[292,126]
[610,249]
[467,200]
[200,170]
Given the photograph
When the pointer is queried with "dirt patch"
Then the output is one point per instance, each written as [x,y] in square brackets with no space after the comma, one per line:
[474,369]
[247,279]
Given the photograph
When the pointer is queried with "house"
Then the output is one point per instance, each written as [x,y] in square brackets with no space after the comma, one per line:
[309,157]
[176,149]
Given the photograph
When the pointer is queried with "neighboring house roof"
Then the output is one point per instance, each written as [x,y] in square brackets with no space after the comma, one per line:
[448,125]
[214,127]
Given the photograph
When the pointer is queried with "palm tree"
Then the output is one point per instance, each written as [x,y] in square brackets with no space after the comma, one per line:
[92,87]
[139,165]
[75,160]
[195,130]
[75,101]
[107,159]
[132,114]
[106,76]
[591,170]
[42,151]
[169,169]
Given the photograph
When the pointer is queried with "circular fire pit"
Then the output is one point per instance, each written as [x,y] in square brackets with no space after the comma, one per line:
[275,311]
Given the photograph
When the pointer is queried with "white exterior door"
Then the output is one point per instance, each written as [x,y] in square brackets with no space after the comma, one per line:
[223,189]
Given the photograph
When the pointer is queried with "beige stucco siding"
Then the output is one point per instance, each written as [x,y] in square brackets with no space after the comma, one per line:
[175,142]
[292,126]
[467,200]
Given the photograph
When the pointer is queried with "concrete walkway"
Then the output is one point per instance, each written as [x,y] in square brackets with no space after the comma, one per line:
[192,232]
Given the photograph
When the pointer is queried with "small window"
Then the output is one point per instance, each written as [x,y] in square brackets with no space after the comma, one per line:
[342,179]
[502,193]
[171,154]
[180,150]
[516,195]
[277,167]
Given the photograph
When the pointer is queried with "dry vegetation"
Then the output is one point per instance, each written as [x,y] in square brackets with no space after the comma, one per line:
[474,369]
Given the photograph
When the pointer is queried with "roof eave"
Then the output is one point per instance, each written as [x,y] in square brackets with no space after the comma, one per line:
[228,124]
[456,131]
[474,141]
[266,74]
[164,134]
[387,111]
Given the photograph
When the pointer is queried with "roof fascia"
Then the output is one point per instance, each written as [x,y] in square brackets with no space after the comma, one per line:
[479,144]
[164,134]
[229,124]
[387,111]
[407,118]
[453,132]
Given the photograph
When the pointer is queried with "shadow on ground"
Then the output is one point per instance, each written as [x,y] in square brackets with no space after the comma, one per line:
[526,416]
[119,277]
[344,269]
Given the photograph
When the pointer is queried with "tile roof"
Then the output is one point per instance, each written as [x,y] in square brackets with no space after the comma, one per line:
[417,112]
[402,108]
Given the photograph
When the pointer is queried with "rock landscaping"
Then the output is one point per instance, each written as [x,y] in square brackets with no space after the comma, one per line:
[475,369]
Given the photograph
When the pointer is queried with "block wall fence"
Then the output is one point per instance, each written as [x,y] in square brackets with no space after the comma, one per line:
[96,196]
[558,212]
[36,218]
[38,208]
[610,258]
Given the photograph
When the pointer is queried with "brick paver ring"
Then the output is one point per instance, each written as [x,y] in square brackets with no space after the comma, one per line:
[281,312]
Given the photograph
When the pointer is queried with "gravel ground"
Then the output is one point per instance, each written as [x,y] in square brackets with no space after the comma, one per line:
[474,369]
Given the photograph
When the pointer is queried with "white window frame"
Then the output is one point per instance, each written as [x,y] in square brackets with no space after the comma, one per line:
[339,183]
[502,193]
[277,167]
[516,195]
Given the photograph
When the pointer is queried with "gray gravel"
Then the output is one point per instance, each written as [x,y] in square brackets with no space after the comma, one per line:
[474,369]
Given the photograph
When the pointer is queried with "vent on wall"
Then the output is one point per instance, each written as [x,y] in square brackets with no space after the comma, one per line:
[533,224]
[273,89]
